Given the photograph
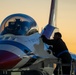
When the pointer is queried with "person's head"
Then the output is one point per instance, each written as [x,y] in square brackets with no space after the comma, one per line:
[57,35]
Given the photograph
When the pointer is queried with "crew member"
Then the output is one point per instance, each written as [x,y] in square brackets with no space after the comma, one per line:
[59,50]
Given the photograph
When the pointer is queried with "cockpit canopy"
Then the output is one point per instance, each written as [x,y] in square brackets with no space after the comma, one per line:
[18,24]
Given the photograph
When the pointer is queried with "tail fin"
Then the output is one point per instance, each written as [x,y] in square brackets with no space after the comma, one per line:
[49,29]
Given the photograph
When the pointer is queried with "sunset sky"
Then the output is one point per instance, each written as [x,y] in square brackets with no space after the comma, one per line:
[40,9]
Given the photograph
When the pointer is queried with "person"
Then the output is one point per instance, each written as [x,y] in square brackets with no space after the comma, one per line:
[60,51]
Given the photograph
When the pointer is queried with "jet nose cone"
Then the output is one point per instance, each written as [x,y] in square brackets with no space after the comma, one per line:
[8,60]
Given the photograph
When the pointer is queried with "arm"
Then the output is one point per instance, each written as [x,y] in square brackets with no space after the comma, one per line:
[47,41]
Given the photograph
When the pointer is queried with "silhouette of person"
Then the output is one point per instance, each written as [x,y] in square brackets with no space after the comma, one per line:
[60,51]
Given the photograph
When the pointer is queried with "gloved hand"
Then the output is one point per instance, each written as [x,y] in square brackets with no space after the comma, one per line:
[50,47]
[49,51]
[43,37]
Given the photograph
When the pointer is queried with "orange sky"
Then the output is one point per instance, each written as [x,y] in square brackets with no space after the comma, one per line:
[66,21]
[39,10]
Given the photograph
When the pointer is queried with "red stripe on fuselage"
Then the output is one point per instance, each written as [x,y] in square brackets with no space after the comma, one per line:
[8,60]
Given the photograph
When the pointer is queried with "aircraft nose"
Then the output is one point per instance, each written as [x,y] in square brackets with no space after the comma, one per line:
[8,60]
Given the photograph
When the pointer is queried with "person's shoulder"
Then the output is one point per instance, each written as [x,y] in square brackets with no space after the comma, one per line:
[61,41]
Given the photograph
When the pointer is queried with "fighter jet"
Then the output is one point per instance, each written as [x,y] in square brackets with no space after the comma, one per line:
[21,45]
